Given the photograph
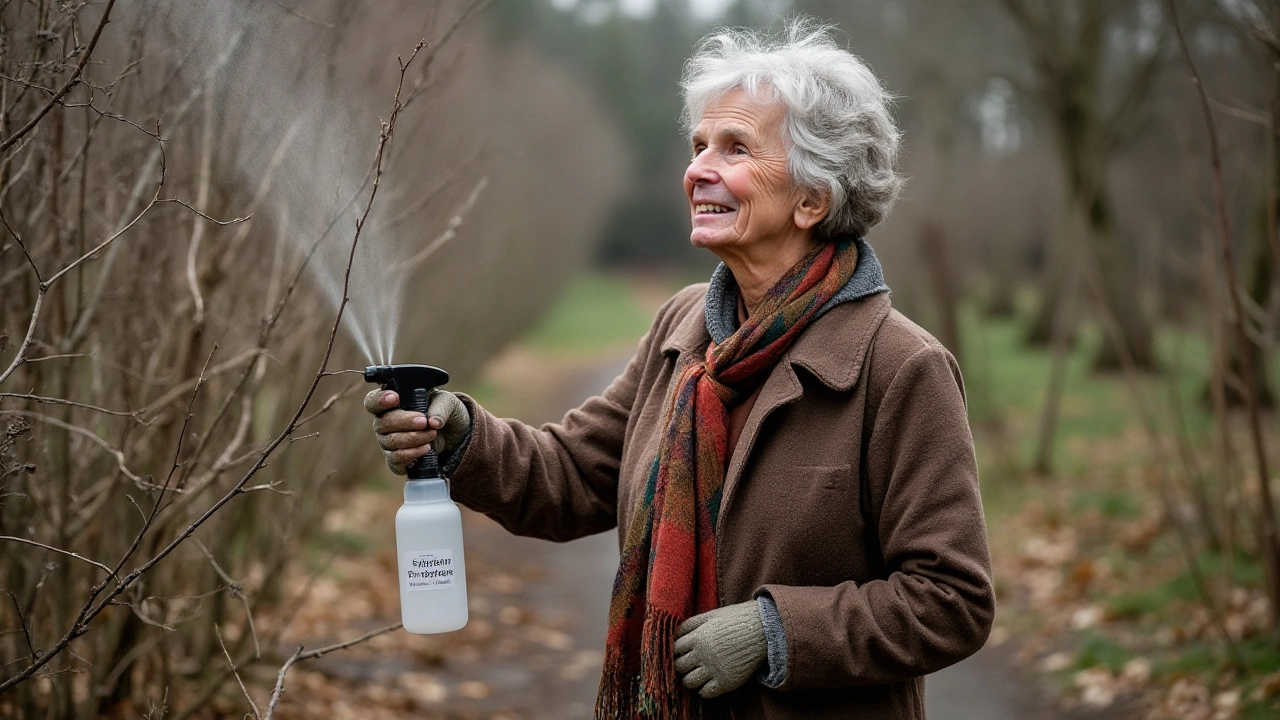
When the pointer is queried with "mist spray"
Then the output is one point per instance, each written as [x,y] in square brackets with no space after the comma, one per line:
[433,578]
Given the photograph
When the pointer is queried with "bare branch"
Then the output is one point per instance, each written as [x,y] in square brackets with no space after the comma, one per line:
[271,486]
[168,480]
[299,655]
[71,82]
[114,236]
[22,620]
[252,705]
[236,590]
[136,414]
[97,440]
[215,221]
[22,246]
[450,231]
[26,340]
[61,356]
[60,551]
[1270,540]
[345,392]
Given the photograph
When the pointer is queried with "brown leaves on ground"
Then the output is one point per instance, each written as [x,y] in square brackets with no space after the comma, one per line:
[1062,570]
[498,666]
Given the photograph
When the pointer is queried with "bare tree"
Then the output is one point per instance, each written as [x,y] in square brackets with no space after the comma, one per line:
[1074,48]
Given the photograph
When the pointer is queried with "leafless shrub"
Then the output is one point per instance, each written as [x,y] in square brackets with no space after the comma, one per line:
[159,460]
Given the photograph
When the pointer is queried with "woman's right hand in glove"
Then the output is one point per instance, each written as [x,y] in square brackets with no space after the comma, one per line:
[405,436]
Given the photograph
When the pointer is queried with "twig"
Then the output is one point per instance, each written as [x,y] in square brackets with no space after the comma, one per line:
[44,285]
[22,246]
[243,689]
[26,340]
[329,403]
[114,236]
[136,414]
[214,220]
[60,551]
[168,480]
[22,620]
[450,231]
[97,440]
[299,656]
[236,590]
[419,83]
[61,356]
[71,82]
[271,486]
[177,391]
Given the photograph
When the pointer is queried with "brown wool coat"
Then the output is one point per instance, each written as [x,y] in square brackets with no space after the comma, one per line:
[851,498]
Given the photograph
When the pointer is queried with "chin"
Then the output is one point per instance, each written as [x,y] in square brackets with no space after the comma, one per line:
[705,240]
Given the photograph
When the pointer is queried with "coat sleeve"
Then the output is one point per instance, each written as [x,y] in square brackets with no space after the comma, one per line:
[936,604]
[558,482]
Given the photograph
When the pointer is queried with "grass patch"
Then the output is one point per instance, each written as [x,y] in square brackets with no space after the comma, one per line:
[1156,600]
[1110,504]
[1098,650]
[1259,656]
[1152,601]
[597,311]
[1006,382]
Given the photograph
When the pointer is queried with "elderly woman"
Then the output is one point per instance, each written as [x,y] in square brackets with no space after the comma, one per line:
[787,459]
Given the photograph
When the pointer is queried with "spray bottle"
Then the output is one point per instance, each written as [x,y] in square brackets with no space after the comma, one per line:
[433,579]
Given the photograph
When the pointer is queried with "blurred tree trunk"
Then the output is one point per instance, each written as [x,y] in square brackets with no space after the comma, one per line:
[933,246]
[1261,28]
[1258,288]
[1068,48]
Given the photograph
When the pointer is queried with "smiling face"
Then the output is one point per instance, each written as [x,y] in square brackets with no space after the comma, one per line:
[743,203]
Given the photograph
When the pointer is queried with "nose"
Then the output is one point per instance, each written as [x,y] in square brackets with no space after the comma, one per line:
[701,170]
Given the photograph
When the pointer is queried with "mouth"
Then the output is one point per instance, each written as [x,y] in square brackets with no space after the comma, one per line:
[710,208]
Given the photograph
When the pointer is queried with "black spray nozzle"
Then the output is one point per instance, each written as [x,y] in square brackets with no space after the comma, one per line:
[413,383]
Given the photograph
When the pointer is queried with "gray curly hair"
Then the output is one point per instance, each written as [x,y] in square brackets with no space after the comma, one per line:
[841,138]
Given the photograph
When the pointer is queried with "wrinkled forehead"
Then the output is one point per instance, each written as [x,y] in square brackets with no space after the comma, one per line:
[737,114]
[760,93]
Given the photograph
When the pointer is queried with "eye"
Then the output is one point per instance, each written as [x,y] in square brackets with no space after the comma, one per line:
[740,149]
[698,148]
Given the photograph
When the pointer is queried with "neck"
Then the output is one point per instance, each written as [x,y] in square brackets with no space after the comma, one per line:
[756,273]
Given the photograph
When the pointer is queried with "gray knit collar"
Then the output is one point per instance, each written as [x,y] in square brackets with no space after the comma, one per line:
[721,307]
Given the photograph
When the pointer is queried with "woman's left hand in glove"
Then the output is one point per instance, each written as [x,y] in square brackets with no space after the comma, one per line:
[718,651]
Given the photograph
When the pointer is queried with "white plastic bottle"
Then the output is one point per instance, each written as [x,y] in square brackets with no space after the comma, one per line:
[433,577]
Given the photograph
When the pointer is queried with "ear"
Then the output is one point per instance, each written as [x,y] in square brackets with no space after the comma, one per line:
[811,209]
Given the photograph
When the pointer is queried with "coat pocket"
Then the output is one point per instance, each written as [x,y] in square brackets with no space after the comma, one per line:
[819,524]
[830,478]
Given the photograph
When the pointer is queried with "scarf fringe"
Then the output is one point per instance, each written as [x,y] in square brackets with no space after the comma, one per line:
[656,692]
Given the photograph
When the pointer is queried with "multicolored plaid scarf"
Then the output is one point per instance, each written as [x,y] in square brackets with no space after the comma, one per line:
[667,572]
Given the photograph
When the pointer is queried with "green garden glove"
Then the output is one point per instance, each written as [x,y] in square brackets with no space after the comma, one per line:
[718,650]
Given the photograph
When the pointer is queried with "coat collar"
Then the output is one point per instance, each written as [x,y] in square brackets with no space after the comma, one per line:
[832,349]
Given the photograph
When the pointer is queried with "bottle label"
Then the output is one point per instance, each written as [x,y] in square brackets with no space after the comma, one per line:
[428,569]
